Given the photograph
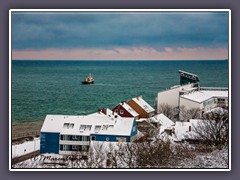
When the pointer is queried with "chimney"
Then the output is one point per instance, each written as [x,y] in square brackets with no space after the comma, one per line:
[99,110]
[104,111]
[122,102]
[138,97]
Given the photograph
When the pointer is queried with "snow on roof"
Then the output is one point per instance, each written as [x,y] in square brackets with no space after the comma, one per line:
[141,119]
[201,96]
[162,119]
[108,112]
[143,104]
[185,130]
[129,109]
[217,110]
[86,125]
[181,130]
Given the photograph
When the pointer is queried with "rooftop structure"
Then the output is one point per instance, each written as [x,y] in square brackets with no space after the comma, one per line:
[201,96]
[187,78]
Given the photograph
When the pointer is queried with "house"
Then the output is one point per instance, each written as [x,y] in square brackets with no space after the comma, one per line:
[141,107]
[124,110]
[161,120]
[63,134]
[182,131]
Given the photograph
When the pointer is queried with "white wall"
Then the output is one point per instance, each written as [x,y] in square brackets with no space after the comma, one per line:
[171,96]
[190,104]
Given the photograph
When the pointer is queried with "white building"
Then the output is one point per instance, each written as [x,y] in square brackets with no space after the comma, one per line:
[63,134]
[161,120]
[181,131]
[191,95]
[204,99]
[172,96]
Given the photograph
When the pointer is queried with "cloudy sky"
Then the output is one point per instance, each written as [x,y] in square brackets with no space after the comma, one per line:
[119,35]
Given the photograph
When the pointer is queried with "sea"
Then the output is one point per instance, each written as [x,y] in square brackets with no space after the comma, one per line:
[54,87]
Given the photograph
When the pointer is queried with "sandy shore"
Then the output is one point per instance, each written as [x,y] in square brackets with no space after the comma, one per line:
[26,129]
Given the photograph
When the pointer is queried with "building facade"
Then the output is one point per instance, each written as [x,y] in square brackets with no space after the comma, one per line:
[205,100]
[124,110]
[67,135]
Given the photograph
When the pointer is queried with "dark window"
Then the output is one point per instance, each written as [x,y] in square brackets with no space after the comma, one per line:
[74,138]
[93,138]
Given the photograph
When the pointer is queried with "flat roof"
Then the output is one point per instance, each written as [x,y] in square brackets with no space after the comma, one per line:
[86,125]
[202,95]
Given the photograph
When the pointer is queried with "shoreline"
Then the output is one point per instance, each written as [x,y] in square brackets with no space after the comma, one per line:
[20,131]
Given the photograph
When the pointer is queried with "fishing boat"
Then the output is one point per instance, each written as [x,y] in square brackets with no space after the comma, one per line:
[88,79]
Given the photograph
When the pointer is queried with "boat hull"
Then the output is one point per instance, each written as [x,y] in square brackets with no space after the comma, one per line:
[85,82]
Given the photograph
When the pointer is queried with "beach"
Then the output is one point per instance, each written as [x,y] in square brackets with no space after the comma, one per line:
[26,130]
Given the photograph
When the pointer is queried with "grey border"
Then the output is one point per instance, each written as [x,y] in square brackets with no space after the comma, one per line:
[116,10]
[170,4]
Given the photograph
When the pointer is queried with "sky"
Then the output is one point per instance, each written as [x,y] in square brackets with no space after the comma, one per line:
[119,35]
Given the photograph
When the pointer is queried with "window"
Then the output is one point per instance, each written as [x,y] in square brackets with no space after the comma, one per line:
[65,125]
[84,148]
[68,125]
[65,147]
[107,138]
[221,100]
[97,128]
[65,137]
[71,125]
[116,111]
[82,127]
[105,127]
[121,111]
[88,127]
[74,137]
[134,128]
[85,138]
[74,147]
[93,138]
[110,126]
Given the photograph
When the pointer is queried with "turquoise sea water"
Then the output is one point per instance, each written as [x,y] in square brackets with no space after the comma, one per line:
[54,87]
